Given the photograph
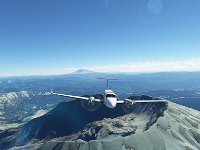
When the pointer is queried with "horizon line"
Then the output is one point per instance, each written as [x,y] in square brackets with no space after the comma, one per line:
[74,73]
[135,67]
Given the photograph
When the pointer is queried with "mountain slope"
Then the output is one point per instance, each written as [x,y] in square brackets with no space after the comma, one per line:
[178,128]
[157,126]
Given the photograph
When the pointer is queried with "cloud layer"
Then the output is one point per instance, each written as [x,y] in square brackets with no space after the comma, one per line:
[132,67]
[151,66]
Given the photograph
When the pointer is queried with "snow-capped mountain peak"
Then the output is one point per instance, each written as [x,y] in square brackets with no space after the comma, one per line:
[83,71]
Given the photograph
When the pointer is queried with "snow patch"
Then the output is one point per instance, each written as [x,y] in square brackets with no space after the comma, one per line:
[39,113]
[13,96]
[5,126]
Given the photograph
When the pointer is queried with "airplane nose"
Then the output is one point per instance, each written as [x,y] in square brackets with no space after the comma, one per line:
[113,102]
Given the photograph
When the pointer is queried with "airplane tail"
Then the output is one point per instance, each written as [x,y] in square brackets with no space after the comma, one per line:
[108,79]
[51,91]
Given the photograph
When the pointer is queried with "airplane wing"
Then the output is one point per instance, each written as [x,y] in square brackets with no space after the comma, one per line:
[120,101]
[76,97]
[140,101]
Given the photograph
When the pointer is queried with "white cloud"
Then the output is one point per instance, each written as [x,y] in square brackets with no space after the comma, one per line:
[41,71]
[134,67]
[152,66]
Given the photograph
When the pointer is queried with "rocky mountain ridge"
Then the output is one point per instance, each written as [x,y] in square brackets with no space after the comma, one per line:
[151,126]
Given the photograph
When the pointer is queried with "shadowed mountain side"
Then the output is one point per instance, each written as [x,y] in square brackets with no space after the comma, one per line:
[70,117]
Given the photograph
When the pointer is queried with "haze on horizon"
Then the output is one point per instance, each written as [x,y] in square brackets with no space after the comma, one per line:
[39,37]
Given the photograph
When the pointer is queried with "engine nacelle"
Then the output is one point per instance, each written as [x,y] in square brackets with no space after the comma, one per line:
[130,102]
[128,106]
[91,99]
[90,104]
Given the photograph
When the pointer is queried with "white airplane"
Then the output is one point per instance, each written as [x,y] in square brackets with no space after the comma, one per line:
[110,99]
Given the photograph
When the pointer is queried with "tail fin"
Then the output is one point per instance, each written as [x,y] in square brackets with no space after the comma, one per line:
[108,79]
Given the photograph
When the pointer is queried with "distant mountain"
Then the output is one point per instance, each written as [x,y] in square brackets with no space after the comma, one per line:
[83,71]
[20,107]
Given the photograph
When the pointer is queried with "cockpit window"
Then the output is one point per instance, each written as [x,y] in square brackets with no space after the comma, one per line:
[110,95]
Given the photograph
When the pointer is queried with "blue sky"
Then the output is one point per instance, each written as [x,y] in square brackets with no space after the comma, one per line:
[59,36]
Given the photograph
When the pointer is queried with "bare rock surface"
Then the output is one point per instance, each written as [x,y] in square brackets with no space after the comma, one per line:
[155,126]
[178,129]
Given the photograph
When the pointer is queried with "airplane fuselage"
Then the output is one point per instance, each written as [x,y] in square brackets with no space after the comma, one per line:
[110,99]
